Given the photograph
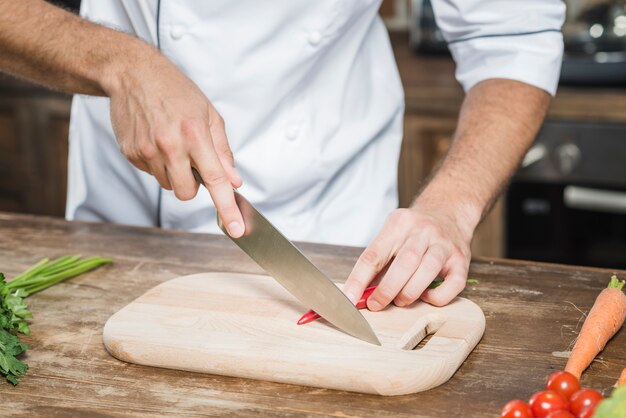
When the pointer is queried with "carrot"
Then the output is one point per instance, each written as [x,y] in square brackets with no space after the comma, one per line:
[604,320]
[622,379]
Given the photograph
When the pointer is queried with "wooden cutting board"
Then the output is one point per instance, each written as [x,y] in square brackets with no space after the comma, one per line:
[244,325]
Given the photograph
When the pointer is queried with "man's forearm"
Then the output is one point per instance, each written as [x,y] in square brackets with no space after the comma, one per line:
[162,121]
[498,122]
[53,47]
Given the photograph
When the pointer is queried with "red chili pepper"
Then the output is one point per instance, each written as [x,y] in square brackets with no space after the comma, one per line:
[311,315]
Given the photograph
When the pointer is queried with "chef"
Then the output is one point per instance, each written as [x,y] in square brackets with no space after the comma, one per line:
[298,104]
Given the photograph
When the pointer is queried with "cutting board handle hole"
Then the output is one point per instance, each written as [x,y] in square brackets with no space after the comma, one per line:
[424,341]
[418,335]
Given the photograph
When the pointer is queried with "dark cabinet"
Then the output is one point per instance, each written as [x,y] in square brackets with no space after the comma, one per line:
[33,151]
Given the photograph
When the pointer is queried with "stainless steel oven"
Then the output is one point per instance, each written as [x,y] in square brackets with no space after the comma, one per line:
[567,203]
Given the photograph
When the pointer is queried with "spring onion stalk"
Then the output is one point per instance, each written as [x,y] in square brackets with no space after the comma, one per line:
[48,273]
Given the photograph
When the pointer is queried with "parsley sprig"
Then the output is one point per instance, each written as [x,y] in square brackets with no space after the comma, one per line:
[14,313]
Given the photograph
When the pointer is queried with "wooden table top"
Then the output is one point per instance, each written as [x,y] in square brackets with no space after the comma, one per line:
[532,311]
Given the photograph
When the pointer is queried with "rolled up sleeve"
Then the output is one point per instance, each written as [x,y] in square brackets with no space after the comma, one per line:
[512,39]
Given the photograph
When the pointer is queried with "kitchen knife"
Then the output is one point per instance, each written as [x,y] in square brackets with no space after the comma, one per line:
[295,272]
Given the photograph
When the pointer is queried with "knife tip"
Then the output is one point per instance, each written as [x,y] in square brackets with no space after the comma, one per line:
[371,338]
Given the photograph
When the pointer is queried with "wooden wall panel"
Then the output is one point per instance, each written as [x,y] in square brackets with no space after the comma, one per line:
[33,154]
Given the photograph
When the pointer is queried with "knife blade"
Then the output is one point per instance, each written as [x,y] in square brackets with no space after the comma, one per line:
[266,245]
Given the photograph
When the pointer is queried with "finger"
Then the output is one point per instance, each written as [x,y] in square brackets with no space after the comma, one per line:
[430,266]
[371,261]
[225,154]
[156,167]
[401,270]
[454,283]
[220,188]
[140,165]
[377,279]
[134,157]
[181,178]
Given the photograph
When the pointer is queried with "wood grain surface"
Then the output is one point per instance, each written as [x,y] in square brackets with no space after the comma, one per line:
[532,311]
[244,325]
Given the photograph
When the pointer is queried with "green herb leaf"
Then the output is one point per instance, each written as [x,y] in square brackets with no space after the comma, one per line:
[14,312]
[10,348]
[437,282]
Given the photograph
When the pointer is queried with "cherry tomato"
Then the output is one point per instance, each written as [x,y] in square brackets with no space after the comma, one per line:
[564,383]
[560,414]
[544,402]
[587,412]
[516,409]
[584,398]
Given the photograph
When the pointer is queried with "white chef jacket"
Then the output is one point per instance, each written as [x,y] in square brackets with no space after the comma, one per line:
[312,100]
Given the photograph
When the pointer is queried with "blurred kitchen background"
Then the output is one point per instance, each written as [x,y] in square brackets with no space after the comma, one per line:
[566,204]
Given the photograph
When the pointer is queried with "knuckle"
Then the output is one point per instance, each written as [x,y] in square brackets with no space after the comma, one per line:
[148,151]
[409,257]
[370,256]
[185,193]
[165,144]
[464,254]
[406,298]
[458,280]
[431,230]
[398,217]
[228,154]
[132,156]
[441,251]
[189,127]
[164,183]
[193,132]
[432,263]
[219,122]
[357,281]
[215,178]
[459,262]
[125,149]
[131,153]
[384,295]
[438,300]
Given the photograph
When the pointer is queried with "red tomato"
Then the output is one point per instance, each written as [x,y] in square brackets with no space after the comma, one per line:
[587,411]
[544,402]
[516,409]
[564,383]
[584,398]
[560,414]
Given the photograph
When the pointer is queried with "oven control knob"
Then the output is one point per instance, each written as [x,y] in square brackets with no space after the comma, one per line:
[534,155]
[567,156]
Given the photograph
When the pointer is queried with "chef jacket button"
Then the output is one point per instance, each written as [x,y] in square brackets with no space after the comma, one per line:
[315,38]
[176,32]
[292,133]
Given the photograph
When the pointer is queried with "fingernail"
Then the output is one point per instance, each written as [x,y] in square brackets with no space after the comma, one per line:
[400,303]
[234,229]
[374,305]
